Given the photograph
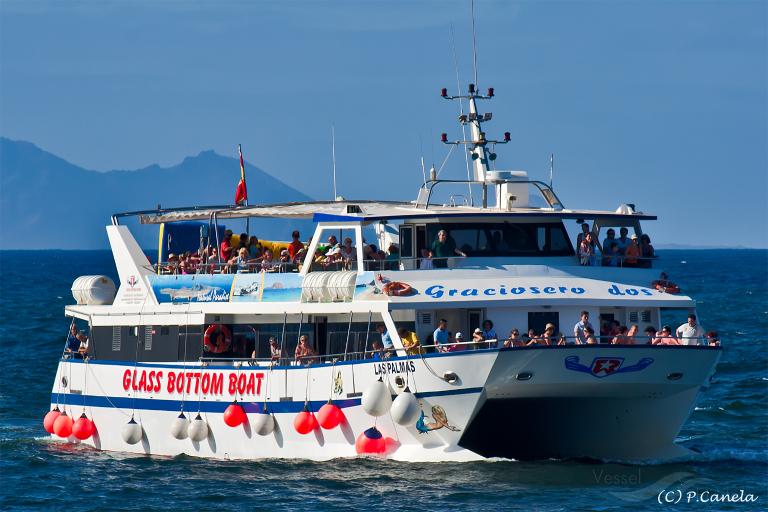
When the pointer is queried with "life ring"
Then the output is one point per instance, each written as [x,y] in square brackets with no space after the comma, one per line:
[397,288]
[666,286]
[213,347]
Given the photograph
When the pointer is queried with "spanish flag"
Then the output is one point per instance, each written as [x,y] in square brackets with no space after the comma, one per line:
[241,194]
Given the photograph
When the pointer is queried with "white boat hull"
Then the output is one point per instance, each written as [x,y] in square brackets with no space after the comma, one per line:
[515,403]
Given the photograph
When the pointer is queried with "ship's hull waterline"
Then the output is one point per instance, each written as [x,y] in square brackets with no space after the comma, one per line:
[603,402]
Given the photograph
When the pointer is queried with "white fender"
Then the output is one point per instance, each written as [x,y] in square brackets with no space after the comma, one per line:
[179,427]
[198,429]
[405,409]
[132,432]
[377,399]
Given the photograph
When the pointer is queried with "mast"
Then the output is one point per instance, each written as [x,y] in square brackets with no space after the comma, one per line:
[478,145]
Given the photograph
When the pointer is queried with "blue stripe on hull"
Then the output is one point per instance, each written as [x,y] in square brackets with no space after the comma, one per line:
[152,404]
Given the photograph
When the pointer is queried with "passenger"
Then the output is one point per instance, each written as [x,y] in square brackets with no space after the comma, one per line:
[226,246]
[632,254]
[410,342]
[377,351]
[386,338]
[589,332]
[621,337]
[458,343]
[478,339]
[73,344]
[612,257]
[304,353]
[623,241]
[586,252]
[548,336]
[243,242]
[441,336]
[632,333]
[183,264]
[295,246]
[240,263]
[489,334]
[609,239]
[530,336]
[578,329]
[348,254]
[562,340]
[613,331]
[213,260]
[650,332]
[665,337]
[333,242]
[255,250]
[268,263]
[581,236]
[712,339]
[82,349]
[690,333]
[663,284]
[285,263]
[500,247]
[443,248]
[371,257]
[646,251]
[274,349]
[393,257]
[425,262]
[172,267]
[514,339]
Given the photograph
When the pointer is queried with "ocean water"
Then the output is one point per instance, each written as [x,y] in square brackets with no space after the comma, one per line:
[728,429]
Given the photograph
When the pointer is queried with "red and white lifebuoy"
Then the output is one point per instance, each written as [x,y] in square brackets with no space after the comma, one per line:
[397,288]
[213,331]
[666,286]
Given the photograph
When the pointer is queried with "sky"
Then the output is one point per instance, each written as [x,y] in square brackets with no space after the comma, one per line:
[663,104]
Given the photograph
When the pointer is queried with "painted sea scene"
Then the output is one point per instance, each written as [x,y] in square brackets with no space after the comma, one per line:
[345,255]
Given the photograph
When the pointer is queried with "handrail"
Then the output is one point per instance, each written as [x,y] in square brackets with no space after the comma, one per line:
[549,196]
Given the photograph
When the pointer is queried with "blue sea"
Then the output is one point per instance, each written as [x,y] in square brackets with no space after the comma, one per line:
[728,429]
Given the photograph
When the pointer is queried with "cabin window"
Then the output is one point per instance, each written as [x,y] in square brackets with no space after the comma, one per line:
[406,242]
[538,320]
[505,239]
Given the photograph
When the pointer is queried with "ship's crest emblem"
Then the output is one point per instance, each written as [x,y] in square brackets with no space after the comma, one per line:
[605,366]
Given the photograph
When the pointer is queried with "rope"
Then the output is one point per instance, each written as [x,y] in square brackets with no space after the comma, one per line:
[101,388]
[184,365]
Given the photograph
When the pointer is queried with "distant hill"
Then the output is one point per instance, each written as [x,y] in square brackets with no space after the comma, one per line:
[47,202]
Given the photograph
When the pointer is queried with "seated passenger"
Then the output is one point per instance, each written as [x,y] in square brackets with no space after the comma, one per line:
[226,246]
[548,336]
[172,266]
[489,334]
[665,337]
[268,263]
[274,349]
[712,339]
[631,333]
[443,248]
[295,246]
[304,354]
[477,337]
[410,342]
[82,349]
[425,262]
[647,252]
[240,263]
[285,261]
[514,339]
[333,242]
[632,254]
[589,332]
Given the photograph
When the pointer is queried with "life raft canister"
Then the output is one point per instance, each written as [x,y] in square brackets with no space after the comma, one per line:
[397,288]
[213,330]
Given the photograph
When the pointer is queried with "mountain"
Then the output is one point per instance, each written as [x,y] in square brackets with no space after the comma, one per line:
[47,202]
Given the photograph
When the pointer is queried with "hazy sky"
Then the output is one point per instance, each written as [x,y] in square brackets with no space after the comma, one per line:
[663,104]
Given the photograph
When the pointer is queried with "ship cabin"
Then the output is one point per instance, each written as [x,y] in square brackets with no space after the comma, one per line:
[375,272]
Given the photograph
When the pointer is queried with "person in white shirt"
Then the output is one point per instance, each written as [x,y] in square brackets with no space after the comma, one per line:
[690,333]
[578,330]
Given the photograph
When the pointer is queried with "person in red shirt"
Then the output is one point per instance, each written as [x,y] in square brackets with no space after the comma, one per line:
[295,246]
[226,246]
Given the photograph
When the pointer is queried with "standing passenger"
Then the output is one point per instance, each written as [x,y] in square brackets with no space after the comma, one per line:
[578,329]
[690,332]
[441,336]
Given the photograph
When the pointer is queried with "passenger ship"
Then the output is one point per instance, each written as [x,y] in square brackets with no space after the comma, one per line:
[180,363]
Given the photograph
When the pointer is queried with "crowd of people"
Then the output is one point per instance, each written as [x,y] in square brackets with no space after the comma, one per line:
[623,251]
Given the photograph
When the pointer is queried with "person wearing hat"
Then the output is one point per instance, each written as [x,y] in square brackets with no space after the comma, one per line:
[632,253]
[478,338]
[548,337]
[458,339]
